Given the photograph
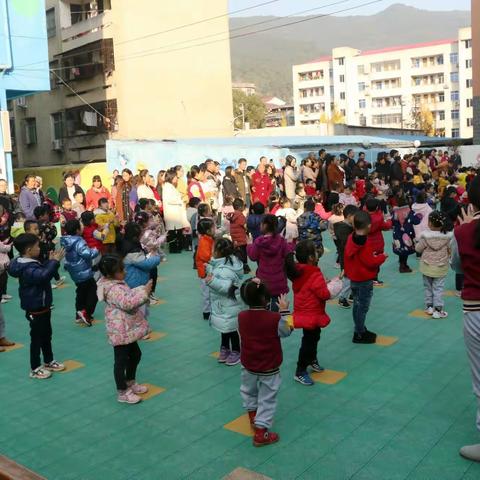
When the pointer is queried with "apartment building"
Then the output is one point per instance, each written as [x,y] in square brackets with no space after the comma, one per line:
[124,70]
[389,87]
[476,70]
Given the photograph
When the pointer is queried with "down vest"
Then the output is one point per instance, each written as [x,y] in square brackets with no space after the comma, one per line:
[225,310]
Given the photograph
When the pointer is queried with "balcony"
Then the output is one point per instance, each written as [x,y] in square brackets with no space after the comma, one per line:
[87,31]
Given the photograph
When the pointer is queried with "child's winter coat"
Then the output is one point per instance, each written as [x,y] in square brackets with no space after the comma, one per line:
[226,272]
[422,210]
[270,252]
[361,262]
[404,221]
[310,292]
[254,223]
[124,317]
[204,254]
[435,250]
[310,227]
[103,218]
[237,228]
[78,258]
[291,229]
[378,226]
[93,236]
[138,266]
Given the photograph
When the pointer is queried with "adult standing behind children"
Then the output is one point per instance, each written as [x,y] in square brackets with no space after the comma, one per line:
[69,188]
[97,192]
[29,197]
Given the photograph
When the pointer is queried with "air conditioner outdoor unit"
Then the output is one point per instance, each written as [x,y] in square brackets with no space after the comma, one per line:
[57,145]
[22,102]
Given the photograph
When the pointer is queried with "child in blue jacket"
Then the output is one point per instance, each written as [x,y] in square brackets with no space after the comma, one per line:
[78,263]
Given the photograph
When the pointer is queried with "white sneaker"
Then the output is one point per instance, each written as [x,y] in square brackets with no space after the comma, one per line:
[137,388]
[54,366]
[6,297]
[128,397]
[40,373]
[429,311]
[439,314]
[59,282]
[3,300]
[153,301]
[471,452]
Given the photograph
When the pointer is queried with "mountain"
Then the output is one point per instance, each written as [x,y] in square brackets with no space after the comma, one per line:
[266,58]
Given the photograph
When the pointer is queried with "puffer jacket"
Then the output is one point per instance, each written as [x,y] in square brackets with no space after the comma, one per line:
[435,249]
[138,267]
[270,252]
[254,223]
[376,229]
[103,218]
[34,279]
[78,258]
[226,272]
[124,319]
[422,210]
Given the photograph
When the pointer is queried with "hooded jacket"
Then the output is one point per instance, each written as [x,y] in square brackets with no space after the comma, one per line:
[361,263]
[270,252]
[138,266]
[78,258]
[237,228]
[124,319]
[376,229]
[435,249]
[422,210]
[34,279]
[227,273]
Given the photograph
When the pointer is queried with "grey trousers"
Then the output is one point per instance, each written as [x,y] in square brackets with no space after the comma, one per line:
[433,290]
[471,333]
[205,296]
[260,393]
[346,289]
[2,324]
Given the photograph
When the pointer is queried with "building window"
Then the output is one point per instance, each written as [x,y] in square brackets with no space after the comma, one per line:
[57,126]
[454,77]
[469,102]
[468,43]
[455,133]
[439,59]
[342,95]
[30,131]
[441,115]
[415,63]
[342,78]
[441,97]
[53,79]
[343,112]
[469,83]
[468,63]
[361,69]
[455,114]
[362,103]
[454,58]
[341,61]
[361,86]
[469,122]
[455,96]
[51,26]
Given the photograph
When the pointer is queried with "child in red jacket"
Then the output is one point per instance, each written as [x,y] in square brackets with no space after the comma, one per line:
[310,292]
[206,232]
[260,332]
[238,232]
[372,205]
[361,267]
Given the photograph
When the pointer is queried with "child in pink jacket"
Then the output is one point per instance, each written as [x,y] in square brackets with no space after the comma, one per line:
[125,323]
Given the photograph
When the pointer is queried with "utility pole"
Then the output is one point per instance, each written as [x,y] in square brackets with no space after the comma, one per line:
[242,109]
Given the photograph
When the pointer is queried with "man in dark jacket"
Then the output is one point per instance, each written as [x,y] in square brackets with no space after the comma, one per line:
[396,172]
[243,181]
[35,294]
[349,165]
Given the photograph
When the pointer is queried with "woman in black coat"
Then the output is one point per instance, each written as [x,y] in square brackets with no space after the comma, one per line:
[383,167]
[69,188]
[229,185]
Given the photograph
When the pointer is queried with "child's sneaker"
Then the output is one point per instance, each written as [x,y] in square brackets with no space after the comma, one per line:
[59,282]
[304,378]
[429,310]
[152,301]
[251,416]
[233,359]
[366,337]
[439,314]
[136,388]
[3,300]
[128,397]
[316,367]
[264,437]
[54,366]
[224,354]
[377,283]
[344,303]
[6,297]
[83,316]
[206,315]
[40,374]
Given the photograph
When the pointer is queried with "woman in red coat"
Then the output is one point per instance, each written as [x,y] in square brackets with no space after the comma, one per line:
[310,293]
[97,192]
[261,185]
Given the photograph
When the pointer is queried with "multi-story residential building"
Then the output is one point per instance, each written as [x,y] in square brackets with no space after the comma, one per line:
[390,87]
[246,88]
[476,70]
[124,69]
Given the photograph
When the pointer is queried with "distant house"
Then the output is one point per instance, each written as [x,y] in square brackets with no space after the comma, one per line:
[279,113]
[246,88]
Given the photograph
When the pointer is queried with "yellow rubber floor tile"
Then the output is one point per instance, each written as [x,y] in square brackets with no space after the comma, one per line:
[215,354]
[449,293]
[161,279]
[383,285]
[13,347]
[240,425]
[61,287]
[94,322]
[385,341]
[153,391]
[154,336]
[420,314]
[241,473]
[160,301]
[329,377]
[71,365]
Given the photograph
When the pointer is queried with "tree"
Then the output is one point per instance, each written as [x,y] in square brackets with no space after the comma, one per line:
[422,119]
[255,110]
[336,118]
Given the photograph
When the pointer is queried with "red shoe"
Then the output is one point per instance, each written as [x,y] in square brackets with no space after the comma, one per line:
[251,416]
[264,437]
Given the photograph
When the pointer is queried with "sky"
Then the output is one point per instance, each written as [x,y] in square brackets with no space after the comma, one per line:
[287,7]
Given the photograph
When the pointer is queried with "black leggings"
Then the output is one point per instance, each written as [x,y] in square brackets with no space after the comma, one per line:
[86,298]
[308,349]
[3,283]
[154,278]
[231,338]
[403,260]
[127,358]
